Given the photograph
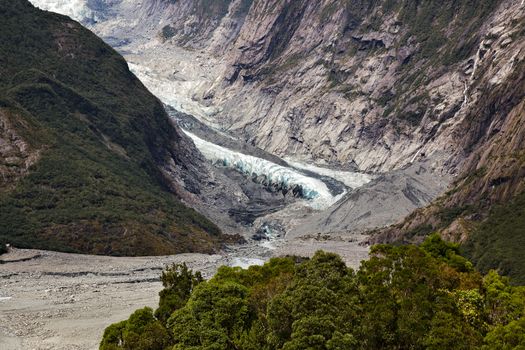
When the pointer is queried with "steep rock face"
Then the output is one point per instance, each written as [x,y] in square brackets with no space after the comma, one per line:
[493,173]
[85,148]
[16,153]
[484,207]
[380,85]
[377,84]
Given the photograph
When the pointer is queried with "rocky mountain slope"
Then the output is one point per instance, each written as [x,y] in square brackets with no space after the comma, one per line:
[377,85]
[484,209]
[90,161]
[428,93]
[366,83]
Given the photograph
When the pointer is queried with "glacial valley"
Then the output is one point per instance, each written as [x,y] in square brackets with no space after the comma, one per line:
[291,145]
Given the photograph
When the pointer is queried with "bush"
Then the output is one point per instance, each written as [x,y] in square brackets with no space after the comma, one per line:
[178,282]
[140,332]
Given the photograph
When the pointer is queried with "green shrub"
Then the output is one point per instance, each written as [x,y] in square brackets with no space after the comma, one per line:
[140,332]
[426,297]
[178,282]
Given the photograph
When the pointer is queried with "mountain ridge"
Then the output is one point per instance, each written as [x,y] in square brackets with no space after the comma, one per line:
[90,146]
[418,92]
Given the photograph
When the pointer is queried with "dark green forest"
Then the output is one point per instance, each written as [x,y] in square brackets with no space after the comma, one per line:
[101,139]
[403,297]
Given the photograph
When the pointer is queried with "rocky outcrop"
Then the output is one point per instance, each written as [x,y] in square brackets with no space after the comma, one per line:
[483,208]
[493,174]
[490,137]
[16,154]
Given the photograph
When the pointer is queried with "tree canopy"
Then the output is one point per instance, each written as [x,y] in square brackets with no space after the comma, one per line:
[403,297]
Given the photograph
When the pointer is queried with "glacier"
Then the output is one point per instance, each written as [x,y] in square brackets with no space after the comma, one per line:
[287,180]
[177,92]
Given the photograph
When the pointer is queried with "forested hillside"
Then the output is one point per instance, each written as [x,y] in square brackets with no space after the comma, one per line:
[84,147]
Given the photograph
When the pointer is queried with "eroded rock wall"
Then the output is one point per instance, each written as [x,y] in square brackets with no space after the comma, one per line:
[373,84]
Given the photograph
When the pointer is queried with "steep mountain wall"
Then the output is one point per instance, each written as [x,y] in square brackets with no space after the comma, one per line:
[484,208]
[381,85]
[403,87]
[373,83]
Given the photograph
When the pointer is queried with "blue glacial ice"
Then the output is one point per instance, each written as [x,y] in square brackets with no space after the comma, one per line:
[270,174]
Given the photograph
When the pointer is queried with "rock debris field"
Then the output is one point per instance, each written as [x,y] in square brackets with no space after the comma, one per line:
[53,300]
[61,301]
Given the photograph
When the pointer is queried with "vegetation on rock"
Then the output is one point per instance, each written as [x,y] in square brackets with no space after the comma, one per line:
[484,207]
[498,242]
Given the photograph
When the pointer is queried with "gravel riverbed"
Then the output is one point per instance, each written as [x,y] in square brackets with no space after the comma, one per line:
[51,300]
[63,301]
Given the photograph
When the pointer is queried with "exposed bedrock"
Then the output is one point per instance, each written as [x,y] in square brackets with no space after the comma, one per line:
[381,87]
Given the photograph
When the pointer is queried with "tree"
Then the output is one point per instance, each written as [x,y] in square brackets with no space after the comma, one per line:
[403,297]
[318,309]
[448,331]
[446,251]
[215,317]
[113,338]
[504,303]
[178,282]
[404,289]
[507,337]
[140,332]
